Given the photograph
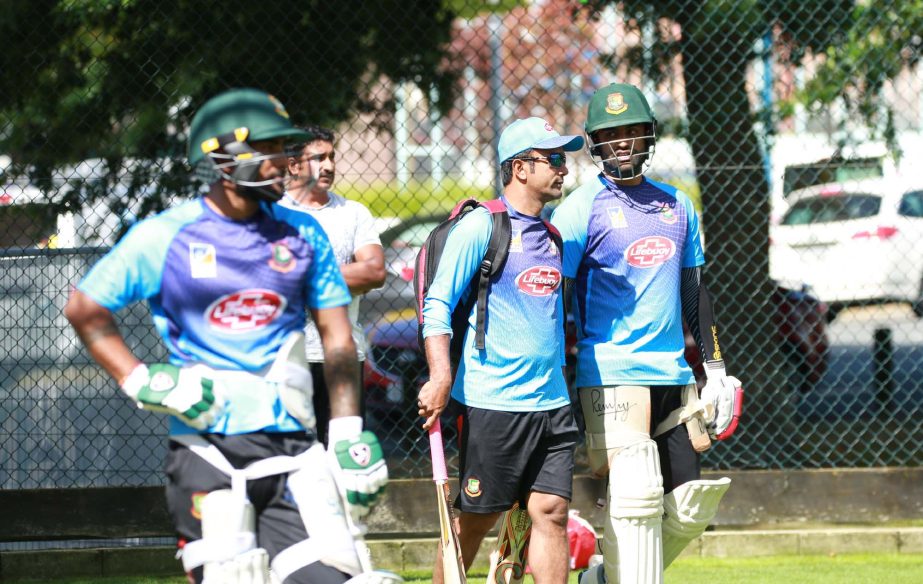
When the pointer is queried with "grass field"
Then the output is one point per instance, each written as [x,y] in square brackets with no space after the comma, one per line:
[854,569]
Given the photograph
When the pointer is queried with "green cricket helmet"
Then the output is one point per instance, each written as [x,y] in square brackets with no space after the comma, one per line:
[614,106]
[223,129]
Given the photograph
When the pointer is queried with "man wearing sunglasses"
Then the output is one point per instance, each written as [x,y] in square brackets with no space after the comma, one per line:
[518,433]
[633,247]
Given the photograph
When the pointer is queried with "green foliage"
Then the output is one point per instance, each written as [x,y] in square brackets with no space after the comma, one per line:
[882,40]
[119,80]
[469,8]
[390,199]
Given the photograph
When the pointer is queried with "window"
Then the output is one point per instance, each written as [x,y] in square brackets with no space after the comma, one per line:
[828,170]
[911,204]
[829,209]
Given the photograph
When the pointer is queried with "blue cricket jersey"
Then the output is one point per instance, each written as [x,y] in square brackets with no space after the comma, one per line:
[520,367]
[223,293]
[625,246]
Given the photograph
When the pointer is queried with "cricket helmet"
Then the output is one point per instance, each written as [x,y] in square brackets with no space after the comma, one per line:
[223,128]
[614,106]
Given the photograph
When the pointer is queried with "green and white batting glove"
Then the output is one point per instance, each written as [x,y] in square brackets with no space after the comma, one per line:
[359,463]
[182,392]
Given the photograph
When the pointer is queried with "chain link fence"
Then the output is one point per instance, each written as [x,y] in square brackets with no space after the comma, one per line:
[818,288]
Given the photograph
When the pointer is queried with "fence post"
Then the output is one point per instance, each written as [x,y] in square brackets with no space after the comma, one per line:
[883,365]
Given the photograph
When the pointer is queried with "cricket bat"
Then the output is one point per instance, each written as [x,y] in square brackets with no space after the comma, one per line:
[508,560]
[453,568]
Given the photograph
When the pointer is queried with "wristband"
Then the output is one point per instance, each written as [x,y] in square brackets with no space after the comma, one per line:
[137,379]
[344,428]
[715,369]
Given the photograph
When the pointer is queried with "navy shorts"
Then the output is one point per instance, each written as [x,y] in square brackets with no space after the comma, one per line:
[506,455]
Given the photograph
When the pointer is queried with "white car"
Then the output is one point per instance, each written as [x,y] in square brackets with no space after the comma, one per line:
[853,242]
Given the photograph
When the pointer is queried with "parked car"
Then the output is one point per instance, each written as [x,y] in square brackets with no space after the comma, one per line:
[401,243]
[853,242]
[395,368]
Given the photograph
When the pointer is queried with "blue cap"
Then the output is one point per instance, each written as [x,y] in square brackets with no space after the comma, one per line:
[529,133]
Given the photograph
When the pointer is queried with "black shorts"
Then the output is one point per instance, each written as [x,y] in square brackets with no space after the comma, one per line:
[278,523]
[679,462]
[506,455]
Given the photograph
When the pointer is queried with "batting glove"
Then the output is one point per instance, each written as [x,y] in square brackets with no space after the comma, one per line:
[181,392]
[723,396]
[358,464]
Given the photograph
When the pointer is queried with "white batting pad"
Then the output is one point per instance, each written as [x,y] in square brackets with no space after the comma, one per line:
[632,546]
[689,508]
[329,536]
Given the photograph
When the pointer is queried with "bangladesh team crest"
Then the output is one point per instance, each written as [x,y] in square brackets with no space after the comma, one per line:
[280,109]
[281,258]
[473,488]
[615,104]
[667,215]
[196,509]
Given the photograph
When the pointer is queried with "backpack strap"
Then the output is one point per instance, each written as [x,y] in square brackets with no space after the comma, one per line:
[497,249]
[555,237]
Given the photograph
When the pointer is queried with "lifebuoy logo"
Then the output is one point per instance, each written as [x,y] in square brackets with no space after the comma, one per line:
[648,252]
[539,281]
[245,311]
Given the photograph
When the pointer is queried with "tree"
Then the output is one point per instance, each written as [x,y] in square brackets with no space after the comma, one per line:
[120,79]
[881,41]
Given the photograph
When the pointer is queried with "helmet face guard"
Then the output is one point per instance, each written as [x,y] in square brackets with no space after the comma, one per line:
[627,166]
[240,164]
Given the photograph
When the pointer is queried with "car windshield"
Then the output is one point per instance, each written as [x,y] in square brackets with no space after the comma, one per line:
[835,208]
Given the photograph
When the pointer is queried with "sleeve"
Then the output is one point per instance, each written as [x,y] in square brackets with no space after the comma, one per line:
[366,234]
[464,250]
[131,271]
[693,251]
[572,218]
[690,294]
[326,286]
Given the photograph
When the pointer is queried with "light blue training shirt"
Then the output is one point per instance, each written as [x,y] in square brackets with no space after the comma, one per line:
[625,246]
[520,367]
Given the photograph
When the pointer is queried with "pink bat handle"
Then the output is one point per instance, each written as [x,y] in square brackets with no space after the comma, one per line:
[437,452]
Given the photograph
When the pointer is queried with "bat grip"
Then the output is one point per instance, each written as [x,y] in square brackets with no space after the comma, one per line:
[437,452]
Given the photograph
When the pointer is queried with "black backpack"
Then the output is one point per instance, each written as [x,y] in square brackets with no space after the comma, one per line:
[497,249]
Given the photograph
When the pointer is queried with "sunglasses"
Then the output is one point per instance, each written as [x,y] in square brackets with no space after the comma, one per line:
[554,160]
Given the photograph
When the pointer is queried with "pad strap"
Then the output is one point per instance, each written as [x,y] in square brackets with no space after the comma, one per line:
[201,551]
[614,439]
[692,407]
[259,469]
